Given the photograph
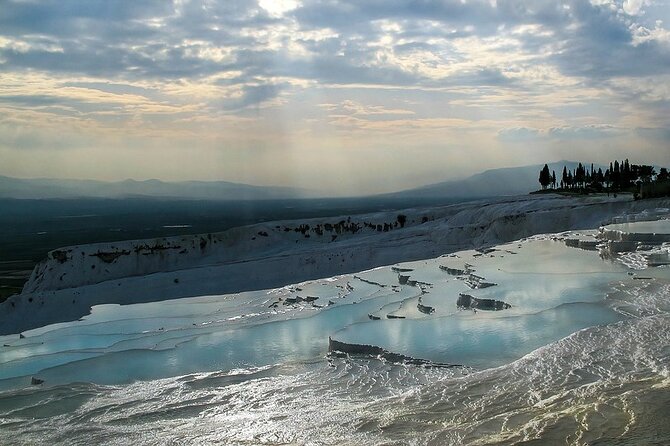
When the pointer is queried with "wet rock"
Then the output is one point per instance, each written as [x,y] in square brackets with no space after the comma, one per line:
[588,245]
[425,309]
[477,282]
[337,348]
[36,381]
[468,302]
[381,285]
[452,271]
[298,299]
[397,269]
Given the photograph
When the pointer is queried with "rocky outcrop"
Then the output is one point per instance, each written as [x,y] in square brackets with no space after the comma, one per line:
[636,236]
[585,244]
[337,347]
[452,271]
[468,302]
[425,309]
[397,269]
[477,282]
[298,299]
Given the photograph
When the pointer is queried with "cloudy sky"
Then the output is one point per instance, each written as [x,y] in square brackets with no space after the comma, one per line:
[346,95]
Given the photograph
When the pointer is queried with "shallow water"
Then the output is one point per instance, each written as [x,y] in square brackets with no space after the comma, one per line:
[581,357]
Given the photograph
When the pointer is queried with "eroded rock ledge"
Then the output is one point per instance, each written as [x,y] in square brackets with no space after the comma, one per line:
[468,302]
[338,347]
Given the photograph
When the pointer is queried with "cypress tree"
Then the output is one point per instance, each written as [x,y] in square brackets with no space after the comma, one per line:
[553,179]
[545,177]
[616,175]
[579,175]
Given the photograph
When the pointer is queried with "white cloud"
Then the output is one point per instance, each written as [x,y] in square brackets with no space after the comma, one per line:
[278,8]
[634,7]
[658,33]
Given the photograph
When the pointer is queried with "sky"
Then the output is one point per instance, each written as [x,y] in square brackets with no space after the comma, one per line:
[343,96]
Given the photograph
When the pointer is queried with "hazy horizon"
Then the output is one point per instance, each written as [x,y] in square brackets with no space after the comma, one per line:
[521,176]
[121,179]
[352,97]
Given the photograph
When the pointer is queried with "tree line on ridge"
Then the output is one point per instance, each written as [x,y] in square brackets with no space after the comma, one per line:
[619,177]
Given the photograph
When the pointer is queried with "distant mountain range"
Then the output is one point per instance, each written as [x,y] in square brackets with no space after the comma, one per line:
[491,183]
[198,190]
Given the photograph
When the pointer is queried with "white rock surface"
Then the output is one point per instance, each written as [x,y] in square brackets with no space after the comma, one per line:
[71,280]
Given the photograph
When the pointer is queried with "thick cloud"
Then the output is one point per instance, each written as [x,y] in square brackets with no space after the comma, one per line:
[195,39]
[483,74]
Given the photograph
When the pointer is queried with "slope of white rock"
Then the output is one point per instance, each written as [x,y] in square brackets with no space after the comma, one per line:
[71,280]
[641,243]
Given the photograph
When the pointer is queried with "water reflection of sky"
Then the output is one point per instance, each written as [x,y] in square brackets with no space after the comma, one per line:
[478,341]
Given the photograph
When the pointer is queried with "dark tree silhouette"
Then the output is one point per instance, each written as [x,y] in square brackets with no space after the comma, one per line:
[616,176]
[545,177]
[579,175]
[626,174]
[646,173]
[621,176]
[553,179]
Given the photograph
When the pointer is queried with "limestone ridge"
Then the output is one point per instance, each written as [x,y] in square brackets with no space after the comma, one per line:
[70,280]
[445,228]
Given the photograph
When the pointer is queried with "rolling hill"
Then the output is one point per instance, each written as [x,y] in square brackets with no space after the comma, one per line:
[201,190]
[490,183]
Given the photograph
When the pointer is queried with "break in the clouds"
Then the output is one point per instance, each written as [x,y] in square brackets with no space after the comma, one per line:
[344,96]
